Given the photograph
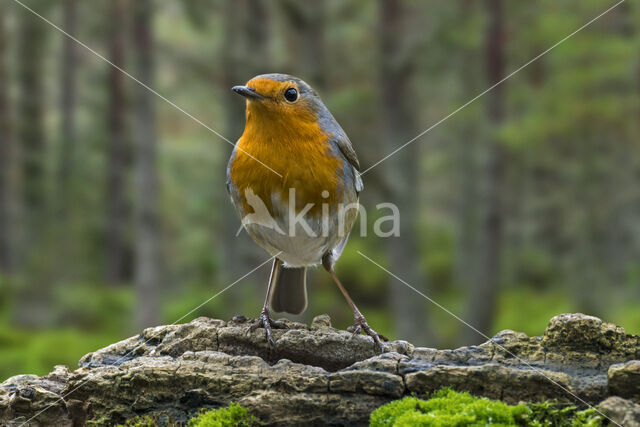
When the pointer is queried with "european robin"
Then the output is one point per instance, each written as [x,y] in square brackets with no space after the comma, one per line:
[302,206]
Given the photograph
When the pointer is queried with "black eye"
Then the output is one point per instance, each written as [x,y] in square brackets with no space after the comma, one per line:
[291,94]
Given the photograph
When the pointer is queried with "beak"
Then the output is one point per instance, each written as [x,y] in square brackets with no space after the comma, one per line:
[247,92]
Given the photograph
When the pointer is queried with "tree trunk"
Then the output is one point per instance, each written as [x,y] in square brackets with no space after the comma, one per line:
[483,294]
[257,37]
[466,157]
[252,35]
[233,256]
[67,107]
[31,38]
[398,121]
[5,155]
[32,306]
[118,251]
[306,24]
[148,262]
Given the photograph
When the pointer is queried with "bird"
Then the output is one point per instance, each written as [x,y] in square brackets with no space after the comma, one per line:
[293,178]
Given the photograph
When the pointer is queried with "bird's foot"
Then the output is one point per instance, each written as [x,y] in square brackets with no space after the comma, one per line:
[361,325]
[264,321]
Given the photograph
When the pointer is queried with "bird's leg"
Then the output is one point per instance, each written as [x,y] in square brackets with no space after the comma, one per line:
[264,320]
[360,322]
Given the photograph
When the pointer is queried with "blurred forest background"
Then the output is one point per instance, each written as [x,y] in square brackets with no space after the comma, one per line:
[113,209]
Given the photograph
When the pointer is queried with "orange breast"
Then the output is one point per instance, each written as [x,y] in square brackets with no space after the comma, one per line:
[294,146]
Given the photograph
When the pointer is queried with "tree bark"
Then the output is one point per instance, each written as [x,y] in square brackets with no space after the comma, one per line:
[398,120]
[483,294]
[67,106]
[118,255]
[30,132]
[31,307]
[148,254]
[466,156]
[306,23]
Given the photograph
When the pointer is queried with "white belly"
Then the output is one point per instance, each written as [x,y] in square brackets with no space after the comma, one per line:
[296,244]
[298,241]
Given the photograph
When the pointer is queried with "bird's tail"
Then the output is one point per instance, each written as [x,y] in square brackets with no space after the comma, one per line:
[289,293]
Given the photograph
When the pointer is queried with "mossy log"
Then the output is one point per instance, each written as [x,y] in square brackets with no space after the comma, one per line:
[317,375]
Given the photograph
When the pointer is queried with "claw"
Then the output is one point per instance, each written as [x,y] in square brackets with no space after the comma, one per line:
[277,324]
[355,330]
[264,321]
[362,325]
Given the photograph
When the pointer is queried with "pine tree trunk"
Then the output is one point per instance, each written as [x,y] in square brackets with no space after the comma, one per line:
[118,255]
[398,121]
[148,255]
[31,307]
[67,106]
[30,133]
[306,28]
[482,303]
[467,169]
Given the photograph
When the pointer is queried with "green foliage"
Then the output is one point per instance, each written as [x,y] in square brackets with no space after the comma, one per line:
[536,268]
[450,408]
[93,306]
[232,416]
[528,310]
[36,352]
[439,261]
[88,318]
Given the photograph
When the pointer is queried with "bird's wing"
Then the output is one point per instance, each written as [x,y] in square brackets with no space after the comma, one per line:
[344,144]
[228,181]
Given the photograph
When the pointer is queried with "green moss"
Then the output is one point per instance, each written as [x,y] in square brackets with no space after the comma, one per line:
[449,408]
[550,414]
[145,421]
[234,415]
